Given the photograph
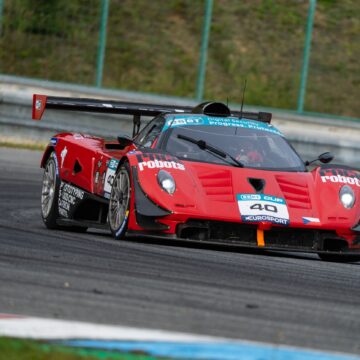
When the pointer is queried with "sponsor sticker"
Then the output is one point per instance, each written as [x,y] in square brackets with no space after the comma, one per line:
[181,120]
[53,141]
[123,223]
[308,220]
[160,164]
[56,163]
[63,155]
[158,161]
[110,174]
[263,208]
[96,177]
[69,196]
[340,179]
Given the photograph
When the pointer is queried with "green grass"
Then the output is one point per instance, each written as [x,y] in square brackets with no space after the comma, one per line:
[21,145]
[153,46]
[15,349]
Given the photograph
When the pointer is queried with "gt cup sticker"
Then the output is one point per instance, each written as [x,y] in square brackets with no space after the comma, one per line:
[110,174]
[263,208]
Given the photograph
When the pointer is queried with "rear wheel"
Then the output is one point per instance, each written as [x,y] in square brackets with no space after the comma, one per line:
[50,196]
[119,203]
[339,258]
[50,193]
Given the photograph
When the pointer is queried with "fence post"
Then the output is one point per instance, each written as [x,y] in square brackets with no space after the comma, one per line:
[307,49]
[1,15]
[102,42]
[203,51]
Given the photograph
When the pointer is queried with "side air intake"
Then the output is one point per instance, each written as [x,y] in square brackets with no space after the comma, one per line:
[212,109]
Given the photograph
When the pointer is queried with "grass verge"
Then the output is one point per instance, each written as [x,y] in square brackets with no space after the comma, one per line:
[15,349]
[22,145]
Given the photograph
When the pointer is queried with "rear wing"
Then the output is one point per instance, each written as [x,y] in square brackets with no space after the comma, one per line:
[42,102]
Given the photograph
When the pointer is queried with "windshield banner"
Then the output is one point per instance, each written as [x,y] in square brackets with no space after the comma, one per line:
[181,120]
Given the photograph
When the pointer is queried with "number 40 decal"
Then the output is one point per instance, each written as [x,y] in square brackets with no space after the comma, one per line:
[266,207]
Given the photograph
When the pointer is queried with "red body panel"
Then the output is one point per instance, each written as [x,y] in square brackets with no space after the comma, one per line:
[239,203]
[209,191]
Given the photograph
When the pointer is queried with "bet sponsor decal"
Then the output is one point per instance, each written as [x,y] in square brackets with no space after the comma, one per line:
[181,120]
[263,208]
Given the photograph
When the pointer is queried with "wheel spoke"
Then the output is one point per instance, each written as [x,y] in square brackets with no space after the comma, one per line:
[119,199]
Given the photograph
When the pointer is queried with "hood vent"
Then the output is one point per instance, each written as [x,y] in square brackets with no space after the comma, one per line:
[257,184]
[217,184]
[295,191]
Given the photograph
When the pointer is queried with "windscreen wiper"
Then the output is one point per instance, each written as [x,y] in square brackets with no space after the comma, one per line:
[203,145]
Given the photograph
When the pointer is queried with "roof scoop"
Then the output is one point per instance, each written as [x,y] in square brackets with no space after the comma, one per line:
[212,108]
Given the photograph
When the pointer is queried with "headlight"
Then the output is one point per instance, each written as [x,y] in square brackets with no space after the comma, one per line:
[347,196]
[166,181]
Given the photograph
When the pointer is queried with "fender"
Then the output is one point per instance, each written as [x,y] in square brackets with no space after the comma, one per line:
[148,164]
[329,179]
[49,149]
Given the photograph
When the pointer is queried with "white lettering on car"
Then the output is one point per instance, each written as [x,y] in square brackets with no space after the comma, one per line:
[159,164]
[341,179]
[69,196]
[63,155]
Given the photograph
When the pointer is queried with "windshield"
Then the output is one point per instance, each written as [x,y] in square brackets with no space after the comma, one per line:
[253,148]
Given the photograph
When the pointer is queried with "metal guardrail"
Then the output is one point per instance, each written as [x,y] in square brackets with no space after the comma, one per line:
[269,43]
[309,135]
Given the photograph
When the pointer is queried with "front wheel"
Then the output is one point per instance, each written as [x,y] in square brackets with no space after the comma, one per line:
[344,258]
[119,203]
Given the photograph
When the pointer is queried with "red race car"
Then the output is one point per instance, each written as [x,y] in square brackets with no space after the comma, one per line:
[204,174]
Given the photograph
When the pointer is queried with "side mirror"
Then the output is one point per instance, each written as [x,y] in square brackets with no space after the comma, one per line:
[124,140]
[324,158]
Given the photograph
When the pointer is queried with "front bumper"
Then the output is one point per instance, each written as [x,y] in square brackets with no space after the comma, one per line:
[246,235]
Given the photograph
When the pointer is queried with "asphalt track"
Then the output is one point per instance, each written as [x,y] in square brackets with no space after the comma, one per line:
[292,299]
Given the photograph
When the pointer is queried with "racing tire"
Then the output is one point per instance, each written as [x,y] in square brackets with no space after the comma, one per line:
[50,193]
[50,197]
[343,258]
[119,202]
